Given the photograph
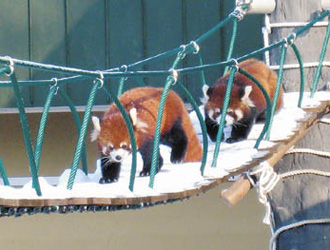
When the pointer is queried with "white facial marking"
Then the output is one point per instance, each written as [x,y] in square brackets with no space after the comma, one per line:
[210,114]
[205,98]
[119,155]
[229,120]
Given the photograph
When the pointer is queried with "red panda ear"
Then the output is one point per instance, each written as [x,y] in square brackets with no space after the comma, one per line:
[245,95]
[138,124]
[207,91]
[97,128]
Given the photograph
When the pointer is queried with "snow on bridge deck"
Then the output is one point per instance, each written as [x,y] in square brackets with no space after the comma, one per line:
[176,181]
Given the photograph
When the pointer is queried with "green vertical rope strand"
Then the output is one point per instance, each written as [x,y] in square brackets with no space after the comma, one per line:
[76,119]
[302,74]
[26,133]
[155,149]
[121,86]
[202,73]
[232,43]
[131,134]
[201,122]
[42,125]
[321,59]
[82,134]
[277,89]
[4,174]
[225,105]
[268,106]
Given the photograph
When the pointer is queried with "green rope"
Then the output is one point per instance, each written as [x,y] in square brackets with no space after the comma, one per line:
[268,105]
[42,125]
[277,89]
[26,133]
[302,74]
[4,70]
[130,128]
[225,105]
[121,86]
[202,73]
[77,122]
[321,59]
[201,122]
[232,43]
[4,174]
[82,134]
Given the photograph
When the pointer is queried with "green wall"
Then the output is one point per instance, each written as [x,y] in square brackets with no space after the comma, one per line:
[100,34]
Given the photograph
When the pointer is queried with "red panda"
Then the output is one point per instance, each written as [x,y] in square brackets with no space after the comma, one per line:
[247,103]
[141,104]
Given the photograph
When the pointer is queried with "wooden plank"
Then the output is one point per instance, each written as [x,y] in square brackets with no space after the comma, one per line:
[86,43]
[200,17]
[14,42]
[48,45]
[124,36]
[163,31]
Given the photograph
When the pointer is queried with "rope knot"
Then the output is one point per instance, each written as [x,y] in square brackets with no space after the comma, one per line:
[241,9]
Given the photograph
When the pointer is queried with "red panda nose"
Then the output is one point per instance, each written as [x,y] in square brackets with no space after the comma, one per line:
[118,157]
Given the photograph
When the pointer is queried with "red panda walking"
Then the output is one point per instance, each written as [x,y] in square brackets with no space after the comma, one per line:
[142,104]
[247,103]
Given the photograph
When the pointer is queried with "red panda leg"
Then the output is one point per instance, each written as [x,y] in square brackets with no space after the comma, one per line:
[110,170]
[177,140]
[212,127]
[146,153]
[242,128]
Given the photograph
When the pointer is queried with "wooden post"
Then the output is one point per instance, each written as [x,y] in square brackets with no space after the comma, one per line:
[304,197]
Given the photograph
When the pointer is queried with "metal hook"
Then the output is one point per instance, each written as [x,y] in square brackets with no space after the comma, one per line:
[174,75]
[10,65]
[55,85]
[100,79]
[196,47]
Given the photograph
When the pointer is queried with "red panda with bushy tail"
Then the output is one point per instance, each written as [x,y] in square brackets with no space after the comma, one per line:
[247,103]
[141,104]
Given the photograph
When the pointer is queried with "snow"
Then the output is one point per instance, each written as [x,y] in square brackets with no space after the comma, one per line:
[174,177]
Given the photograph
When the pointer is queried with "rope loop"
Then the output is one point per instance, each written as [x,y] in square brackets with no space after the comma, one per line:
[55,85]
[100,79]
[174,76]
[182,53]
[196,47]
[124,68]
[10,65]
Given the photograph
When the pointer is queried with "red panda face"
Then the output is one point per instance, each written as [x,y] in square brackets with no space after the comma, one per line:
[113,137]
[239,104]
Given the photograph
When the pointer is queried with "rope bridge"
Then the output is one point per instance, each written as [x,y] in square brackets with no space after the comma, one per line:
[97,77]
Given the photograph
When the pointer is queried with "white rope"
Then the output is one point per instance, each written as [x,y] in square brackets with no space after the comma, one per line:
[272,243]
[308,151]
[267,180]
[304,171]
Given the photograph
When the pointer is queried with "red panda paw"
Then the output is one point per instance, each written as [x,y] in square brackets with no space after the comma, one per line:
[105,180]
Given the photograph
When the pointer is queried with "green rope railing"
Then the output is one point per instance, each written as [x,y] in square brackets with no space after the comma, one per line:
[122,74]
[42,125]
[26,133]
[77,122]
[231,43]
[3,173]
[83,132]
[223,114]
[302,74]
[321,59]
[278,87]
[131,134]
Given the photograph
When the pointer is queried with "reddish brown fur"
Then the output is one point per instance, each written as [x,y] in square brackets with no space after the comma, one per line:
[146,101]
[261,72]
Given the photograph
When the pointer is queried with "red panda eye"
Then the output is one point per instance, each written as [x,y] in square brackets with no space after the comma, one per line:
[110,148]
[124,146]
